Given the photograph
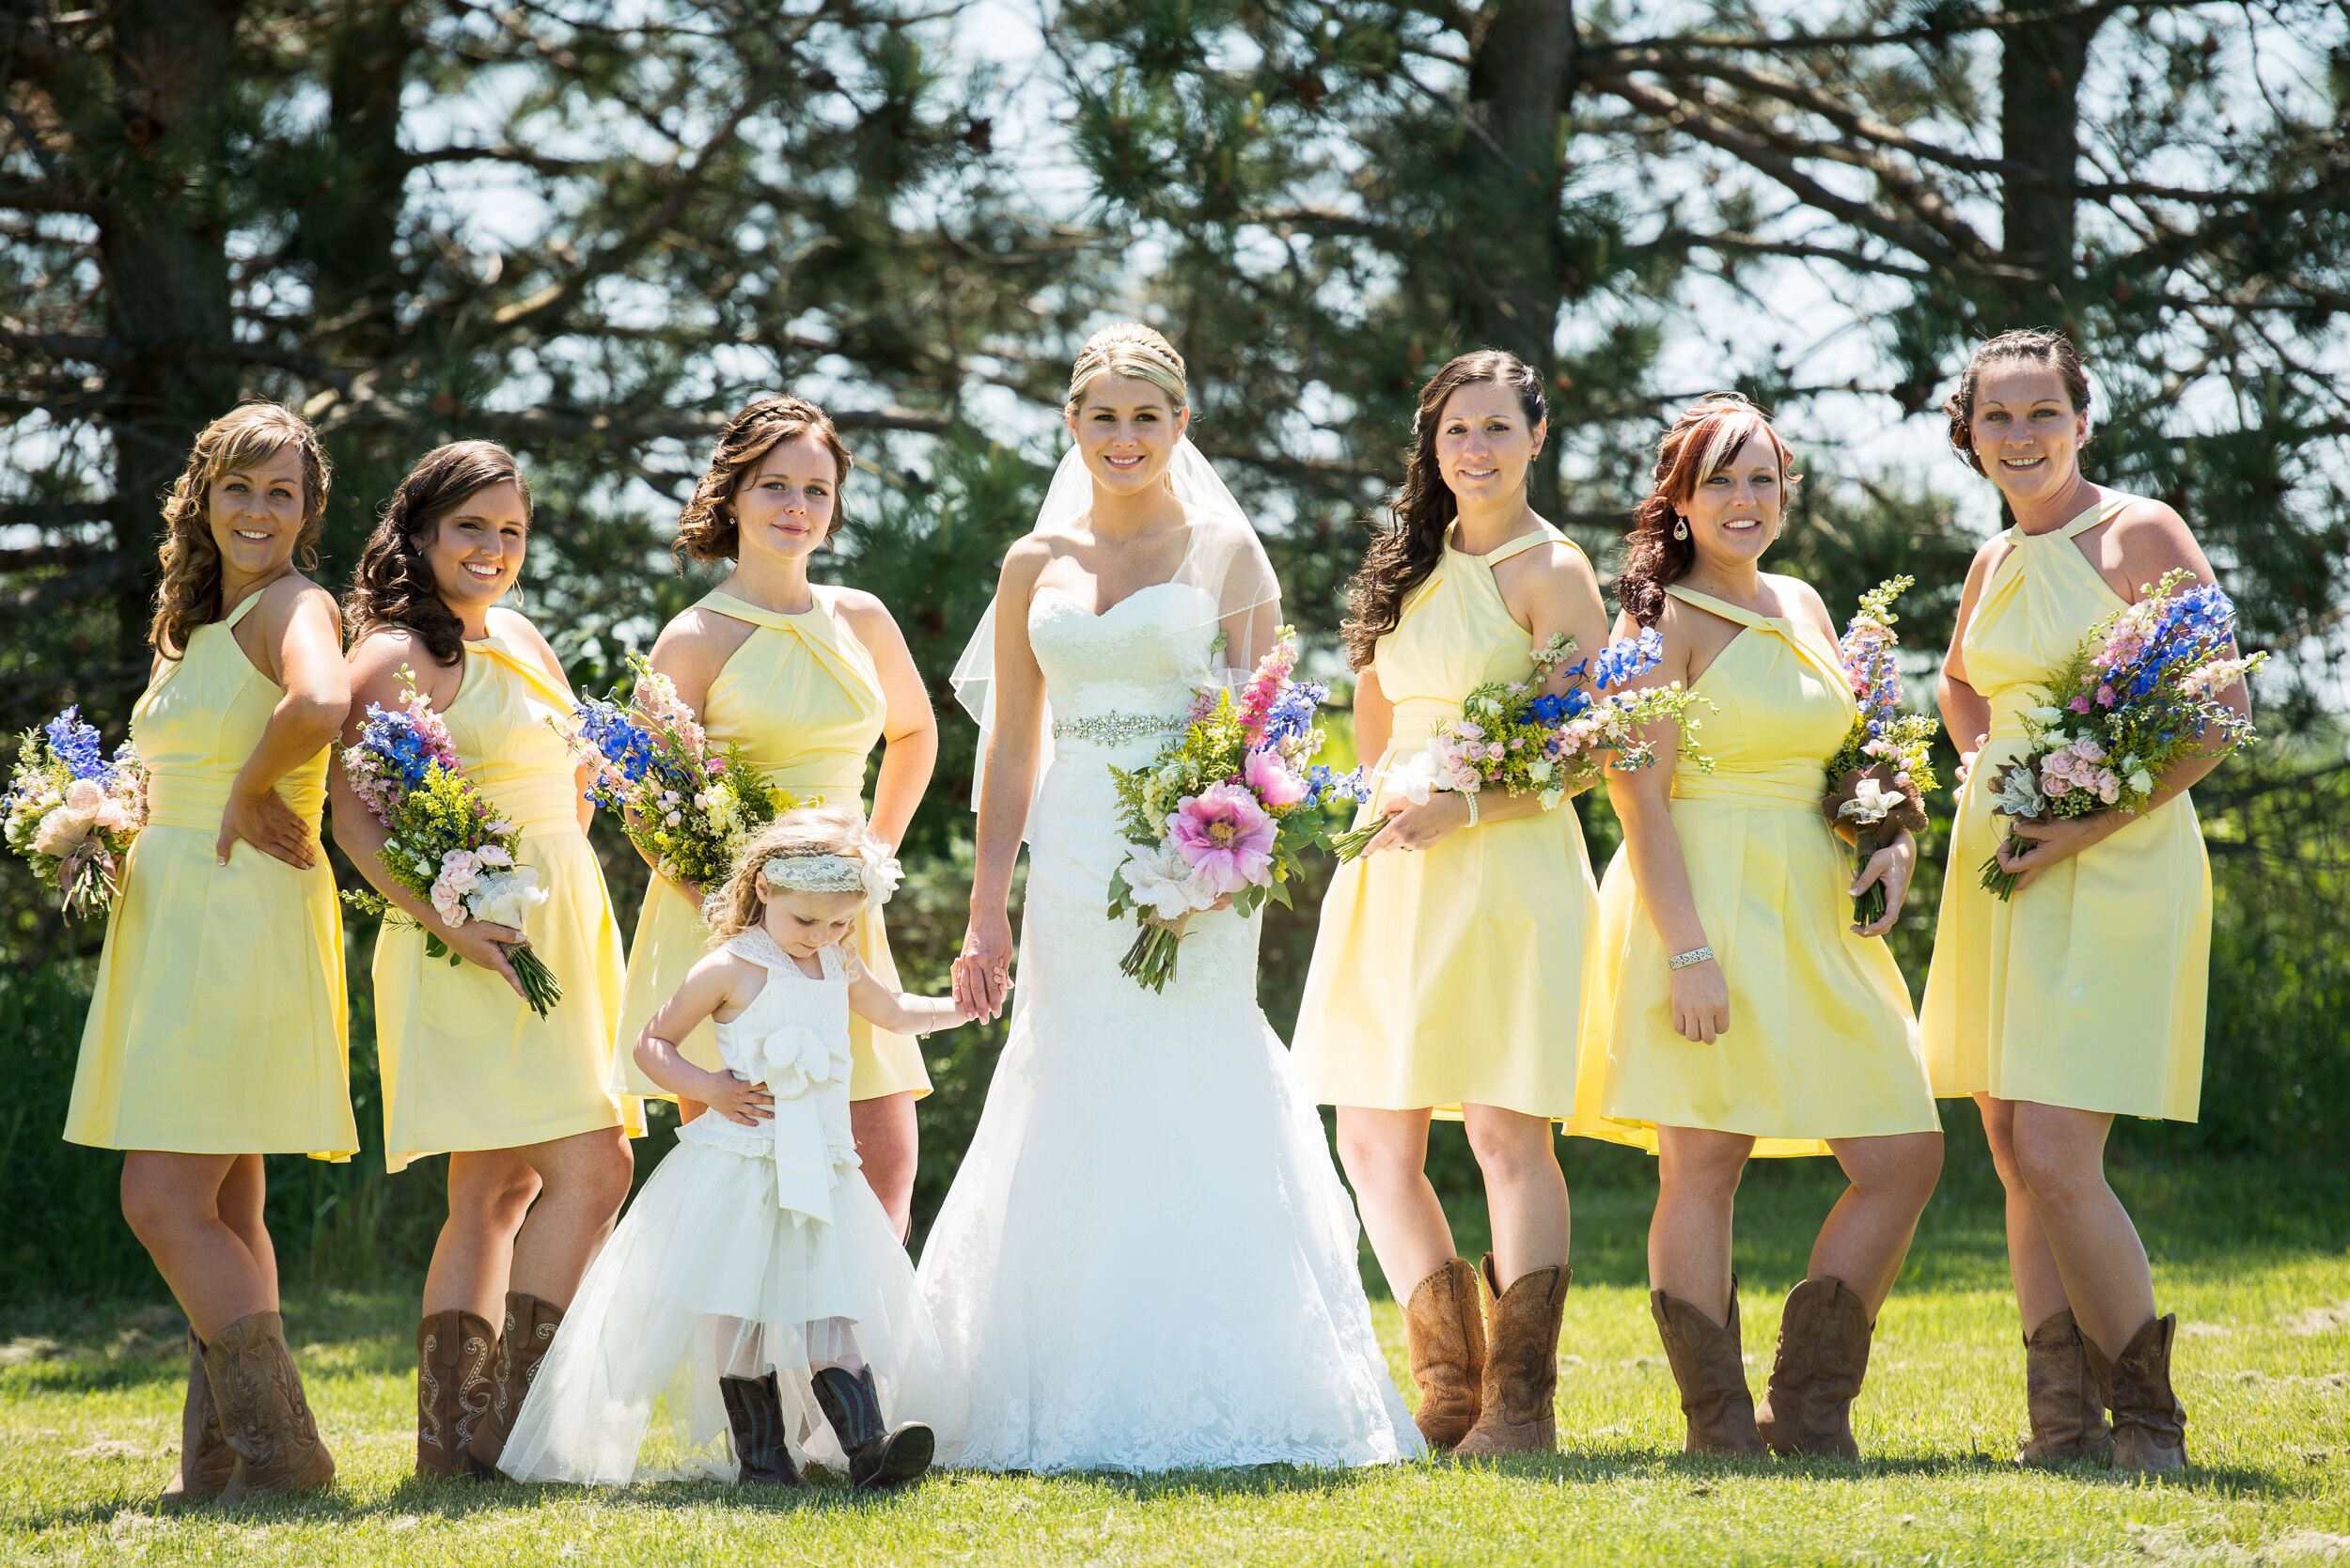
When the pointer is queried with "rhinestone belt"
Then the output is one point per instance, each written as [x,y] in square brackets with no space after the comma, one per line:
[1118,728]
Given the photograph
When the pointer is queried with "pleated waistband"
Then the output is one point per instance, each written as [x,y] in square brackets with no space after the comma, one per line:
[195,797]
[1792,789]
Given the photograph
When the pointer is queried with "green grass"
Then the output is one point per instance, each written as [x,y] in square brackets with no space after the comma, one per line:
[2252,1259]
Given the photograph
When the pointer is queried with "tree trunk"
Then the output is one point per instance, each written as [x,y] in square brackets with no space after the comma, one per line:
[353,242]
[2040,82]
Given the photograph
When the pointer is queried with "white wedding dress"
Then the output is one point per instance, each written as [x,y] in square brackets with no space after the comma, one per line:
[1147,1261]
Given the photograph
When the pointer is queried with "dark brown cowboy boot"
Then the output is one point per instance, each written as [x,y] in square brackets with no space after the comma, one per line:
[263,1414]
[755,1416]
[879,1454]
[523,1341]
[2149,1423]
[1443,1323]
[205,1460]
[1709,1365]
[1822,1355]
[2068,1418]
[454,1353]
[1516,1413]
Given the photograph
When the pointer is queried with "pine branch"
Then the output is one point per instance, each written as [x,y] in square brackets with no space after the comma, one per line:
[1931,32]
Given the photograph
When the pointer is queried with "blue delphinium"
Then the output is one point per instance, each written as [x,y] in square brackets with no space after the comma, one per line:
[390,734]
[1323,783]
[75,745]
[629,745]
[1627,660]
[1292,711]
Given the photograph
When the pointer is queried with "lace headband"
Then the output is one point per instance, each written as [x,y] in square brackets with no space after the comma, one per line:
[876,876]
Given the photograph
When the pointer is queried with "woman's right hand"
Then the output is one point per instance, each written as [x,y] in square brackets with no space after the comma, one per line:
[484,943]
[1700,1002]
[984,972]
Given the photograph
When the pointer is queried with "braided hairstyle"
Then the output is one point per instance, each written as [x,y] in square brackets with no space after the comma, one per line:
[246,435]
[394,586]
[1130,349]
[1704,436]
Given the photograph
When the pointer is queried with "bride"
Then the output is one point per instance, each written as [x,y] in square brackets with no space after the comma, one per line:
[1145,1262]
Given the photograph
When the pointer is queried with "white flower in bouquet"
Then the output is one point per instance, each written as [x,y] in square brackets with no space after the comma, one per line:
[505,896]
[1416,778]
[1872,802]
[1160,880]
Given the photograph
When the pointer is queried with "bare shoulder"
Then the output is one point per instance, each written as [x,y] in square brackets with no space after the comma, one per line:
[696,643]
[384,650]
[1562,564]
[2152,538]
[294,594]
[861,611]
[1024,563]
[514,624]
[1803,601]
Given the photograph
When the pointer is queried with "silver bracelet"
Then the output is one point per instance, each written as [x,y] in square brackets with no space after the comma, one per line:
[1470,795]
[1695,955]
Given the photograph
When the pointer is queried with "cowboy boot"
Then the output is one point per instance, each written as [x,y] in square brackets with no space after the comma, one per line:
[2149,1423]
[523,1344]
[879,1455]
[1516,1414]
[2068,1420]
[1709,1366]
[454,1353]
[754,1416]
[1445,1326]
[1822,1355]
[263,1416]
[205,1460]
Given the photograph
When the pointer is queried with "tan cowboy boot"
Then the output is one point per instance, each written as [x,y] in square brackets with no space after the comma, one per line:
[523,1344]
[1822,1355]
[205,1460]
[1521,1384]
[2068,1420]
[1444,1324]
[2149,1423]
[1709,1365]
[454,1353]
[263,1414]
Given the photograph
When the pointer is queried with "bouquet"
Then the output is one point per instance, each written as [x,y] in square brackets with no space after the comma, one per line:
[1225,811]
[1513,736]
[2132,700]
[71,811]
[1878,779]
[686,804]
[447,844]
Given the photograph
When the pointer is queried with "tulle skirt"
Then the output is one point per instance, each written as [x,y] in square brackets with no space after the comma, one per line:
[706,1275]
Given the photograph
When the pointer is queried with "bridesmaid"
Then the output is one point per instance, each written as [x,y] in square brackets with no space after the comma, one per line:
[528,1110]
[805,680]
[1447,974]
[2082,999]
[217,1033]
[1736,1010]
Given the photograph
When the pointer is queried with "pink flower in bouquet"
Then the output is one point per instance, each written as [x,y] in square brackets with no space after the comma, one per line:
[1265,687]
[1271,779]
[1225,837]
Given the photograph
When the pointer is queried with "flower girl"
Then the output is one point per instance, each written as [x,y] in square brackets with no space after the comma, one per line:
[756,1264]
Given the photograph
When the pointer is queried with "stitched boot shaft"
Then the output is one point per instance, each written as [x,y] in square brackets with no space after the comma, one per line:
[1709,1365]
[879,1455]
[523,1341]
[754,1416]
[1515,1413]
[205,1460]
[1822,1355]
[2149,1423]
[263,1416]
[2068,1416]
[1443,1323]
[454,1353]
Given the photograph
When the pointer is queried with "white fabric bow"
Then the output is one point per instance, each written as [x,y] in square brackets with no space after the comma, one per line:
[794,1061]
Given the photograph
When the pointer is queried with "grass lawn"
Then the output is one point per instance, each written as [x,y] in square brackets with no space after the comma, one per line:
[2252,1259]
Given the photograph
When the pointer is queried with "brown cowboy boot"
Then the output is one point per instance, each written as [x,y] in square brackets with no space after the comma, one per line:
[1822,1355]
[454,1352]
[2068,1420]
[1516,1414]
[523,1344]
[263,1416]
[205,1460]
[1709,1365]
[1444,1324]
[755,1416]
[2149,1423]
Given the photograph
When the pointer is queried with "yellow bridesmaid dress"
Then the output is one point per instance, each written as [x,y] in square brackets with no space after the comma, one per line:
[1822,1042]
[802,698]
[1454,975]
[217,1025]
[2087,989]
[466,1064]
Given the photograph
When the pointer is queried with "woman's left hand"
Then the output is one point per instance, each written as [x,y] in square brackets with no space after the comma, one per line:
[1890,867]
[2028,848]
[1415,827]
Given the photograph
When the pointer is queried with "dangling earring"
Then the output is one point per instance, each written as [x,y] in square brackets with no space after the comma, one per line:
[1681,526]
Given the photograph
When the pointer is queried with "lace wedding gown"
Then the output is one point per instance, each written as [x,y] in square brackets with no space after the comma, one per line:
[1147,1262]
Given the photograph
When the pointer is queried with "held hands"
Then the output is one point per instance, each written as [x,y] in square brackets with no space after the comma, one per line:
[1415,827]
[737,1099]
[2029,848]
[983,973]
[485,943]
[269,825]
[1700,1002]
[1892,867]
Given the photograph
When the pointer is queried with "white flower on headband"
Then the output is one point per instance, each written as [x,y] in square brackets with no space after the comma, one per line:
[872,871]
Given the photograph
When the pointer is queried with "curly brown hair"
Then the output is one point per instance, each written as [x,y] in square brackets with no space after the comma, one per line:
[250,433]
[706,529]
[394,587]
[739,902]
[2041,345]
[1705,436]
[1402,557]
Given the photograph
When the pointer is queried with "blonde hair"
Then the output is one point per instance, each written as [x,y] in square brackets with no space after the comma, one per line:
[804,830]
[1130,349]
[250,433]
